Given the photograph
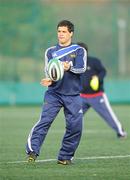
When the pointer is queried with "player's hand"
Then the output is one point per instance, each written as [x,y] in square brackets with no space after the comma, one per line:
[66,65]
[46,82]
[94,83]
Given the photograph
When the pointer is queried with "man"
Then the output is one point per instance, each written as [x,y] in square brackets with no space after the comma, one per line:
[63,93]
[93,95]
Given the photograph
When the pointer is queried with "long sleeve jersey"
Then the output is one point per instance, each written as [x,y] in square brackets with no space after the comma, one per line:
[94,67]
[70,84]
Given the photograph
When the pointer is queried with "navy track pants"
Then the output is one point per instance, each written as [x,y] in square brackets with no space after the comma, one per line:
[53,102]
[102,106]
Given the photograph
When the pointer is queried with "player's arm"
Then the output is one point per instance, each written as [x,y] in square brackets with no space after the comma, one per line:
[80,62]
[46,81]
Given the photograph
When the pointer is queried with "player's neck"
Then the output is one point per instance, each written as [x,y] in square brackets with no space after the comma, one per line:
[65,44]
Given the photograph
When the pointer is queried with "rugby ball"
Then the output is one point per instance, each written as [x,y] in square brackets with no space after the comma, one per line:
[55,70]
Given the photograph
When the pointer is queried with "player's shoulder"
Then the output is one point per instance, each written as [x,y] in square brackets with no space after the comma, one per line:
[50,48]
[80,49]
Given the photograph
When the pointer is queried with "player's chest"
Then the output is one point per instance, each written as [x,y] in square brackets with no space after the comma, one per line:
[69,57]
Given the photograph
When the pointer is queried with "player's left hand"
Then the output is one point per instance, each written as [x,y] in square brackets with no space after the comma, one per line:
[66,65]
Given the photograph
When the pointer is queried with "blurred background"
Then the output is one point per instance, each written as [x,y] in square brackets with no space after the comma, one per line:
[28,27]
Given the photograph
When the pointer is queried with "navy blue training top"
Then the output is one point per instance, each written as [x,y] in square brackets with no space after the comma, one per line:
[70,83]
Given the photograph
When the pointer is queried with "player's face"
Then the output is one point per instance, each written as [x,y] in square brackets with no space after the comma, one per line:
[64,36]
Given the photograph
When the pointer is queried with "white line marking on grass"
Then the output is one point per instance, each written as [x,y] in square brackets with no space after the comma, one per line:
[18,162]
[82,158]
[104,157]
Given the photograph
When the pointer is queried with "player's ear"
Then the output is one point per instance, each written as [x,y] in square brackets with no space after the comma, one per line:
[71,34]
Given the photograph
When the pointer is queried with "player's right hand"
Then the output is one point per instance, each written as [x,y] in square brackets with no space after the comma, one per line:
[46,82]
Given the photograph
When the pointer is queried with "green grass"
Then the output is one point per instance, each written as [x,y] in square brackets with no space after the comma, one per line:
[98,140]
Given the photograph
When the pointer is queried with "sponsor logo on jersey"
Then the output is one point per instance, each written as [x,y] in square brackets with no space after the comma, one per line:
[72,55]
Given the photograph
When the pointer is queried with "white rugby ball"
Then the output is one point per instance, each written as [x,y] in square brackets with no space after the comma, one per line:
[55,70]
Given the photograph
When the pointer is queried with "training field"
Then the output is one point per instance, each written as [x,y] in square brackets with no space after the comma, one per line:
[100,155]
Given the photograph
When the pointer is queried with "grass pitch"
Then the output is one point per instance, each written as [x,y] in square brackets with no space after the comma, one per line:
[100,155]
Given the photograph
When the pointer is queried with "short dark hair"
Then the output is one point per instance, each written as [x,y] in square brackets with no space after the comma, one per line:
[67,24]
[84,45]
